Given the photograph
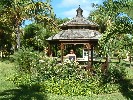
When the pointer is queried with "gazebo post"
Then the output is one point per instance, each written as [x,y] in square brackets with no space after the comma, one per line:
[56,50]
[49,49]
[91,55]
[88,57]
[62,47]
[88,46]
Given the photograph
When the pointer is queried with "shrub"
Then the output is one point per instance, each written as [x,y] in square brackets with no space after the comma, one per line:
[68,69]
[32,67]
[71,80]
[115,74]
[67,78]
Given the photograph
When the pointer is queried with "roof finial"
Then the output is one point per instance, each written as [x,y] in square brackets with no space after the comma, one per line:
[79,12]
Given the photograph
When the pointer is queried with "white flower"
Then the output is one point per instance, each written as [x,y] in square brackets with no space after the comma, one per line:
[41,61]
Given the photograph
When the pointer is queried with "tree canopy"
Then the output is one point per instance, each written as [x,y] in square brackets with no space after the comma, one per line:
[13,14]
[117,29]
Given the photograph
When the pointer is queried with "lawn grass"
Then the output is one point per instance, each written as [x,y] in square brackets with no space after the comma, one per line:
[6,71]
[116,96]
[8,91]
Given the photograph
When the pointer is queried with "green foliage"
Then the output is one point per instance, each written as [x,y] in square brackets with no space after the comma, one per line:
[128,10]
[6,39]
[35,36]
[116,28]
[68,69]
[115,74]
[9,91]
[67,87]
[67,78]
[61,21]
[5,45]
[14,13]
[118,38]
[26,59]
[75,81]
[32,67]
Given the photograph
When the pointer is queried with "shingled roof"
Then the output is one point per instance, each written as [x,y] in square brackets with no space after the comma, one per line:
[79,20]
[77,28]
[76,34]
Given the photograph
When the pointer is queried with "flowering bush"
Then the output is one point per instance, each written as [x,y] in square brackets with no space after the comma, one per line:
[72,80]
[32,67]
[65,78]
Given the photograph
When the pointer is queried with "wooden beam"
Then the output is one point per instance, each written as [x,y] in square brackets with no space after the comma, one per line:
[91,55]
[62,51]
[49,49]
[88,47]
[56,50]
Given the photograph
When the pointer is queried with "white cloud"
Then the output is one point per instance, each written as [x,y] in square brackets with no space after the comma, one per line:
[72,5]
[69,3]
[71,13]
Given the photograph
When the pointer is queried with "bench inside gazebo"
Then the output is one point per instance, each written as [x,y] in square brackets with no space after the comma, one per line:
[77,31]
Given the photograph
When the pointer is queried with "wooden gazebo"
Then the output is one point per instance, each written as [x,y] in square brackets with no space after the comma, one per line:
[77,31]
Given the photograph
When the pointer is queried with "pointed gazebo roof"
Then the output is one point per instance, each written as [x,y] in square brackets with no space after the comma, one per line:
[79,12]
[79,20]
[78,28]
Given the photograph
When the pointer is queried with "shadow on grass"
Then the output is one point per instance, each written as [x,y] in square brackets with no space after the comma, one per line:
[118,76]
[126,88]
[126,85]
[23,93]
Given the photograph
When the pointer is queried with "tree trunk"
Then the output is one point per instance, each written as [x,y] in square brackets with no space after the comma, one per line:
[18,37]
[1,53]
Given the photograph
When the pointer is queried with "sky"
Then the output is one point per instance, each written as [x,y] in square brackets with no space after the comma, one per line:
[67,8]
